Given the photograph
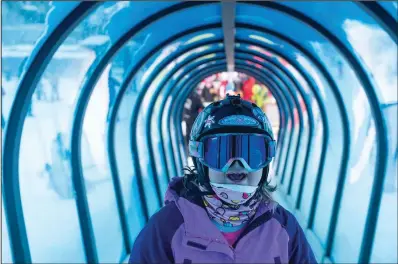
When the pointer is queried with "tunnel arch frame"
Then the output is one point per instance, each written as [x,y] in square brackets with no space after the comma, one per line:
[380,127]
[364,248]
[307,103]
[119,97]
[178,109]
[297,86]
[313,236]
[34,68]
[159,88]
[95,71]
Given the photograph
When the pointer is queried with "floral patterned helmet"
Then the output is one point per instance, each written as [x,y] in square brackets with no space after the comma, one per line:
[233,115]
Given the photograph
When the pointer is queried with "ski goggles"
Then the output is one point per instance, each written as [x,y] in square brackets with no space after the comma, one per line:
[254,151]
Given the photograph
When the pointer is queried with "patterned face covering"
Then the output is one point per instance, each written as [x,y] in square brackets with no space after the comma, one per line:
[230,207]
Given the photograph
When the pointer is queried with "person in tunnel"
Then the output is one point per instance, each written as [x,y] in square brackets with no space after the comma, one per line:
[248,88]
[260,93]
[222,210]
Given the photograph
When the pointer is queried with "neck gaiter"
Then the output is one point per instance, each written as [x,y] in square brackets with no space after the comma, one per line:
[232,206]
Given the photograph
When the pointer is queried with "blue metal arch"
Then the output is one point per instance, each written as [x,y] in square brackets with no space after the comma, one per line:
[149,111]
[125,84]
[50,44]
[295,105]
[342,111]
[287,77]
[173,112]
[376,10]
[316,93]
[187,88]
[381,134]
[386,21]
[136,112]
[310,82]
[171,90]
[95,72]
[177,109]
[159,121]
[302,72]
[307,103]
[175,151]
[274,67]
[34,68]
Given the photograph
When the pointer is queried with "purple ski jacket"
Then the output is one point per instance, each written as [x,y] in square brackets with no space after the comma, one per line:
[181,232]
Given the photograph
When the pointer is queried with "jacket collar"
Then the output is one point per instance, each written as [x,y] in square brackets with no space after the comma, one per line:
[196,220]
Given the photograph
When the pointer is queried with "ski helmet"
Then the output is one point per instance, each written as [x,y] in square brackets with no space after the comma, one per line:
[232,115]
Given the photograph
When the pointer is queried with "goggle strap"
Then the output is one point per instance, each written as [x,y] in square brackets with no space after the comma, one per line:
[271,149]
[196,149]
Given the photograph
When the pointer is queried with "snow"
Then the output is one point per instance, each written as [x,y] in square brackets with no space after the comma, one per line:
[47,196]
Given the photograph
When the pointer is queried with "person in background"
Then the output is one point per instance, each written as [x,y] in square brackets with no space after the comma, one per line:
[248,89]
[215,91]
[57,171]
[238,86]
[260,93]
[54,84]
[206,93]
[222,210]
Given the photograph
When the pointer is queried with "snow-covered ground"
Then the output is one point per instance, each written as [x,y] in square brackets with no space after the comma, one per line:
[45,176]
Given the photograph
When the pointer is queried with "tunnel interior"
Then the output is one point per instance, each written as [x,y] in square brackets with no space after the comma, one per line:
[85,168]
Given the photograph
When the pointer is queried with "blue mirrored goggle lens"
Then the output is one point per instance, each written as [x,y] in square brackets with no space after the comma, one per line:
[256,150]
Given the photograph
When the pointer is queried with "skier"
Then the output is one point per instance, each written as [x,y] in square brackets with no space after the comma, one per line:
[223,211]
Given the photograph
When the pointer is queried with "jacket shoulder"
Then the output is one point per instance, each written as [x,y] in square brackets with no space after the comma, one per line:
[299,249]
[286,219]
[166,216]
[153,244]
